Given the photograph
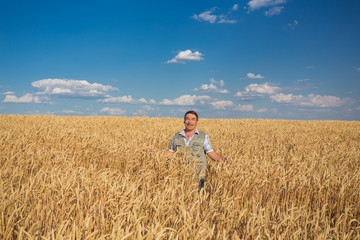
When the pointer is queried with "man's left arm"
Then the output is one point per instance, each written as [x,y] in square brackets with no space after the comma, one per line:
[211,153]
[217,157]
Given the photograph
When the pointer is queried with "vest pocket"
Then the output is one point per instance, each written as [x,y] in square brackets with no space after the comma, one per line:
[177,146]
[196,149]
[196,145]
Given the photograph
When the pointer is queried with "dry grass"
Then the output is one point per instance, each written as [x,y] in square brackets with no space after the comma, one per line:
[93,178]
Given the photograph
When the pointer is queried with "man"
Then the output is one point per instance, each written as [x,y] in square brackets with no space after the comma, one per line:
[196,144]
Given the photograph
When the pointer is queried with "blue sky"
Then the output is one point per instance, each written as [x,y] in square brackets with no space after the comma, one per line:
[271,59]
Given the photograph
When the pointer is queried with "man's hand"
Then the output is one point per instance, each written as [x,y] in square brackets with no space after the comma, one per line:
[169,154]
[217,157]
[227,160]
[153,150]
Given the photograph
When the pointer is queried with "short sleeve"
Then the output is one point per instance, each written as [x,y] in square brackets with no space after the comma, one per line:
[207,146]
[171,149]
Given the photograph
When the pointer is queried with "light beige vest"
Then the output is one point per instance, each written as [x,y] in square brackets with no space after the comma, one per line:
[195,151]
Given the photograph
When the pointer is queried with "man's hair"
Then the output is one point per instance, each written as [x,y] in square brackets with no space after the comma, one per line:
[191,112]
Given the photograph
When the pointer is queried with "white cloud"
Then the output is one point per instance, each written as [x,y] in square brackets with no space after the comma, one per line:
[221,82]
[235,7]
[253,76]
[186,100]
[206,16]
[261,88]
[221,104]
[7,93]
[126,99]
[255,90]
[212,87]
[286,98]
[244,108]
[147,110]
[27,98]
[256,4]
[309,67]
[187,55]
[358,108]
[357,68]
[113,111]
[72,88]
[310,100]
[209,16]
[274,7]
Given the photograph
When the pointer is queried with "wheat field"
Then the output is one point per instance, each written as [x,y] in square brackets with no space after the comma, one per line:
[94,178]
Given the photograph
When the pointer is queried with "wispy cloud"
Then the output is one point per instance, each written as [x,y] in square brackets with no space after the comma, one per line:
[302,80]
[127,99]
[59,112]
[311,100]
[187,55]
[221,104]
[71,88]
[273,7]
[113,111]
[292,25]
[186,100]
[71,112]
[209,16]
[244,108]
[262,110]
[357,68]
[255,91]
[273,11]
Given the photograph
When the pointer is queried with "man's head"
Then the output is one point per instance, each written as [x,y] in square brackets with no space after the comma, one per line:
[193,113]
[190,120]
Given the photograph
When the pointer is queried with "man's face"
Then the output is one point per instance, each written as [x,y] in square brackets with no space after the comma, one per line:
[190,122]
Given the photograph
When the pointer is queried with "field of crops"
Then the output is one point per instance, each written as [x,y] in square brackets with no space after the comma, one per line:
[94,178]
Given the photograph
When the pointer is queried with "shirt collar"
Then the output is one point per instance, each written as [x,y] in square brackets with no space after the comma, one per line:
[182,133]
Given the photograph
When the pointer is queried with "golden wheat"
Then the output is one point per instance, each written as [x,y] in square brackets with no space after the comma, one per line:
[94,178]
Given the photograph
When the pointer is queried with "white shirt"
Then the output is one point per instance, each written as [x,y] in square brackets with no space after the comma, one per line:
[207,146]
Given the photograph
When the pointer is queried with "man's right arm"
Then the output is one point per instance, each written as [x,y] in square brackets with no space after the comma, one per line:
[169,153]
[171,150]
